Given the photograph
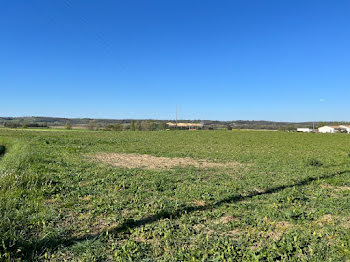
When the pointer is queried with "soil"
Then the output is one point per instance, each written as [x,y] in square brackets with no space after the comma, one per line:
[154,162]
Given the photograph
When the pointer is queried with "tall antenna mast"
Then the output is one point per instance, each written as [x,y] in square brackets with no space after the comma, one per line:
[176,116]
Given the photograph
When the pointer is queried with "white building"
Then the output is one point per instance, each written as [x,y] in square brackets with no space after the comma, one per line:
[346,128]
[305,130]
[329,129]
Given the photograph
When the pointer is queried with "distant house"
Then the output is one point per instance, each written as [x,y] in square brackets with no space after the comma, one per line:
[346,128]
[305,130]
[329,129]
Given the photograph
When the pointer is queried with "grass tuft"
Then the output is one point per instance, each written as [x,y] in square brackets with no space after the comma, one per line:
[314,162]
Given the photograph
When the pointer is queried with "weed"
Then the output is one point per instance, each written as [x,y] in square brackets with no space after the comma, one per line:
[314,162]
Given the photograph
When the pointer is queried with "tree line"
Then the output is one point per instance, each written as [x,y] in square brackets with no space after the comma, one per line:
[25,125]
[139,125]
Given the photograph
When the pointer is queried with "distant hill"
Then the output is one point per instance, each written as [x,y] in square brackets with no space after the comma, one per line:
[38,121]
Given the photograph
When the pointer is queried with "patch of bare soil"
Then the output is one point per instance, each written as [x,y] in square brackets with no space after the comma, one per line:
[278,229]
[346,222]
[225,220]
[336,188]
[277,232]
[325,220]
[154,162]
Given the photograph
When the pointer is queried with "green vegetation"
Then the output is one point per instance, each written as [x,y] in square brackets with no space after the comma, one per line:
[68,125]
[91,125]
[288,200]
[130,124]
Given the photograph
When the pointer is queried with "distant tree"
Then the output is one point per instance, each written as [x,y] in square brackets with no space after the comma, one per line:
[126,127]
[68,125]
[109,127]
[146,125]
[99,126]
[138,126]
[91,125]
[320,124]
[162,126]
[154,125]
[229,127]
[132,125]
[11,124]
[116,127]
[24,125]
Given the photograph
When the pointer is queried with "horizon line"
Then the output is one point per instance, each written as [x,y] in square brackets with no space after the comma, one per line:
[159,119]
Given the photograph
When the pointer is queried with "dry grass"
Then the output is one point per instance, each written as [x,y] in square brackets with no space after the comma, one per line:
[225,220]
[153,162]
[336,188]
[199,203]
[346,222]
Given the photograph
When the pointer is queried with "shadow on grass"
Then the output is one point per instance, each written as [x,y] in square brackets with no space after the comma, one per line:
[2,150]
[62,242]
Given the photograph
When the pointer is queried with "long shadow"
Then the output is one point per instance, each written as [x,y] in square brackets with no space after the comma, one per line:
[2,150]
[54,243]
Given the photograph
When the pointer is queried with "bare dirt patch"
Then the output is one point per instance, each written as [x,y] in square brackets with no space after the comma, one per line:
[225,220]
[275,231]
[346,222]
[278,229]
[336,188]
[325,220]
[154,162]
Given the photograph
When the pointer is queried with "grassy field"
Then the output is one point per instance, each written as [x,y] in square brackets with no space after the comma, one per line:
[288,197]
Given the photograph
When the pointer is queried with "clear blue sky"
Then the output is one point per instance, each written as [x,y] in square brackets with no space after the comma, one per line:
[273,60]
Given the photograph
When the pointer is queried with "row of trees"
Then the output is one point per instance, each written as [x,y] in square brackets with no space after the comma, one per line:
[142,125]
[25,125]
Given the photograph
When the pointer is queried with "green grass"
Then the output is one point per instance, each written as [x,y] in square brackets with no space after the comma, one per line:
[289,201]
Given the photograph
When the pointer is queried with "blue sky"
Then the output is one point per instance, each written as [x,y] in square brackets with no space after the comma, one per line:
[227,60]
